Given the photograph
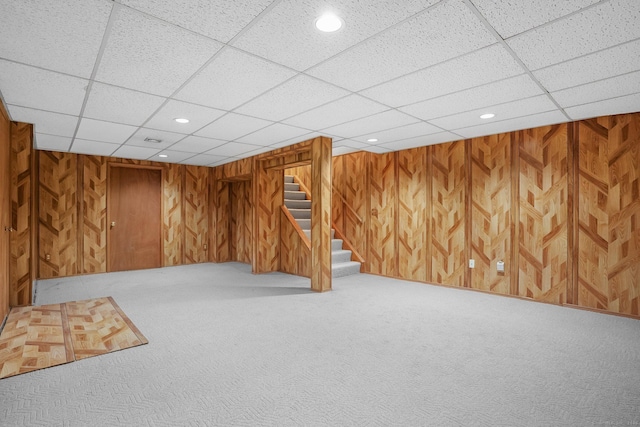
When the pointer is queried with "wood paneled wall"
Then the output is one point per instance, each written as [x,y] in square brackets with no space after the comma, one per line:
[240,221]
[295,255]
[22,211]
[72,186]
[559,205]
[5,211]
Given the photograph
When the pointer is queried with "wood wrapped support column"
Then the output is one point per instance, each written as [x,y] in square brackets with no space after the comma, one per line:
[321,214]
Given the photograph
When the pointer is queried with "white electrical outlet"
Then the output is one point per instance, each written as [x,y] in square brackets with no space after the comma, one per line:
[500,266]
[472,263]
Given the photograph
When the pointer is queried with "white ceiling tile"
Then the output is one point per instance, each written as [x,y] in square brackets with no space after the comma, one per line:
[621,105]
[369,125]
[258,151]
[42,141]
[523,107]
[299,94]
[334,113]
[596,66]
[203,160]
[295,140]
[115,104]
[198,117]
[510,17]
[95,148]
[172,156]
[273,134]
[232,126]
[421,141]
[520,123]
[478,68]
[197,144]
[599,91]
[96,130]
[225,161]
[403,132]
[40,89]
[444,32]
[44,121]
[350,143]
[167,138]
[150,55]
[233,149]
[229,16]
[378,149]
[339,151]
[232,79]
[602,26]
[291,23]
[133,152]
[61,35]
[507,90]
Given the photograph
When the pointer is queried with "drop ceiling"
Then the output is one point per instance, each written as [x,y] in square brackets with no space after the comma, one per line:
[103,77]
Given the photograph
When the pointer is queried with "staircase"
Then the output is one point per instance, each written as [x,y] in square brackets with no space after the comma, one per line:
[300,207]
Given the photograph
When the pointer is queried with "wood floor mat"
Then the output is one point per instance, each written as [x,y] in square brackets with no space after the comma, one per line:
[49,335]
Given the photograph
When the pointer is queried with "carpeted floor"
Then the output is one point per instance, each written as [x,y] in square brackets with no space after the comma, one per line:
[230,348]
[44,336]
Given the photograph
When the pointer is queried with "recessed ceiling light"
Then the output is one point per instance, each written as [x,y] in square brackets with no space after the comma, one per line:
[329,23]
[372,140]
[164,156]
[487,116]
[181,120]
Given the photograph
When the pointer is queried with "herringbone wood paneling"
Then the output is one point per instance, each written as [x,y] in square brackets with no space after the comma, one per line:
[337,192]
[6,202]
[269,196]
[172,222]
[21,207]
[321,222]
[295,256]
[491,212]
[412,214]
[382,248]
[58,222]
[448,192]
[593,218]
[356,195]
[94,221]
[543,214]
[196,225]
[240,233]
[223,222]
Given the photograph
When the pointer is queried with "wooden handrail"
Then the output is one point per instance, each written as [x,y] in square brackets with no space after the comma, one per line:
[355,255]
[346,204]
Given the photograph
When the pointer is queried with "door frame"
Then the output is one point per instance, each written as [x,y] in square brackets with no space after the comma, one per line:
[108,216]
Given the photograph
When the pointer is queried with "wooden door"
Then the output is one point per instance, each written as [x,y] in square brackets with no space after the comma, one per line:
[5,212]
[134,219]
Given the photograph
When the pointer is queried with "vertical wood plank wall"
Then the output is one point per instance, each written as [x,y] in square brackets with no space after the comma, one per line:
[519,188]
[72,193]
[22,213]
[5,211]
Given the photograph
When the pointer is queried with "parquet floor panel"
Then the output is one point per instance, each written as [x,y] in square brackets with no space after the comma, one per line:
[49,335]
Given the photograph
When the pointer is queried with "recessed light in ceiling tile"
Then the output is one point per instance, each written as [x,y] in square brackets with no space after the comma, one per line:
[487,116]
[328,23]
[164,156]
[372,140]
[181,120]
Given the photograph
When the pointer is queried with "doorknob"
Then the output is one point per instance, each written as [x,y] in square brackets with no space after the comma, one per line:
[9,229]
[113,224]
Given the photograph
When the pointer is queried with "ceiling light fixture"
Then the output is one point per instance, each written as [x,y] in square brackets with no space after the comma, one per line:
[328,23]
[487,116]
[372,140]
[181,120]
[154,140]
[164,156]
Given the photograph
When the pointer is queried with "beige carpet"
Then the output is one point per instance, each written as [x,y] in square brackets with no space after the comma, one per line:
[49,335]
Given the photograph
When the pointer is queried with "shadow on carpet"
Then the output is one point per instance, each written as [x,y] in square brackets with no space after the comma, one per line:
[49,335]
